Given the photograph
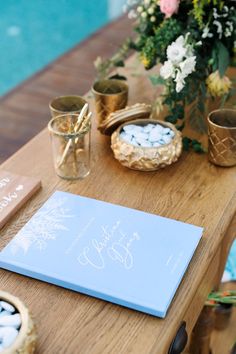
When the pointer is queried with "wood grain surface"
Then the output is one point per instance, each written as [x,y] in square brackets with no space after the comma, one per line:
[191,190]
[15,191]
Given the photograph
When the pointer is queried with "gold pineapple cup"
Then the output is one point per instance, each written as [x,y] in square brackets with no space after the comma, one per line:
[66,104]
[222,137]
[110,96]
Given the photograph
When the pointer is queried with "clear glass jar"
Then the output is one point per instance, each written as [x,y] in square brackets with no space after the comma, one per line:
[71,147]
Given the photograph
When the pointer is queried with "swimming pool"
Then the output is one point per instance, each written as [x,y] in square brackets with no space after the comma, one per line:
[33,33]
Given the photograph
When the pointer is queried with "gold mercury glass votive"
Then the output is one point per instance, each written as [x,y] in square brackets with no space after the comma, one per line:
[66,104]
[71,148]
[222,137]
[110,96]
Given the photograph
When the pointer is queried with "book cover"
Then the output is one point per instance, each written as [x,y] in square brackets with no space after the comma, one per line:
[125,256]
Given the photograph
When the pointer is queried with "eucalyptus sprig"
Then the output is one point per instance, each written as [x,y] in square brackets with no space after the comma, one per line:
[105,66]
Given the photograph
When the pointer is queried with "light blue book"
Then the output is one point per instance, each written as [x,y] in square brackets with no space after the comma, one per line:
[121,255]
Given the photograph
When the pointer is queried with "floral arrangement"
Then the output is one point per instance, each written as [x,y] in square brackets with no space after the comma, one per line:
[194,42]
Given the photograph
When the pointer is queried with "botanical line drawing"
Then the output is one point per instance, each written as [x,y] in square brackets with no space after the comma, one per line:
[43,226]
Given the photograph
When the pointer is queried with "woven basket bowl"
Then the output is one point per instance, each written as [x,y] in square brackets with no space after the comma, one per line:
[146,158]
[25,342]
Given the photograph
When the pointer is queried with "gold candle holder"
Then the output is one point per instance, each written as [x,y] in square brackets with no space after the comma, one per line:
[110,96]
[66,104]
[222,137]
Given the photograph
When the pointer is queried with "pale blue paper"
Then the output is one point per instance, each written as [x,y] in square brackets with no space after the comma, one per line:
[121,255]
[230,268]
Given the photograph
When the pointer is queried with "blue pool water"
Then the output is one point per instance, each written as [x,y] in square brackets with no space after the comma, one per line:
[35,32]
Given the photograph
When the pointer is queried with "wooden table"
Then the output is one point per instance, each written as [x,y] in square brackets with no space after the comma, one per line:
[192,190]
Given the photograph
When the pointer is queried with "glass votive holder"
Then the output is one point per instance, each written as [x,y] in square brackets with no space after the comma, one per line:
[71,148]
[66,104]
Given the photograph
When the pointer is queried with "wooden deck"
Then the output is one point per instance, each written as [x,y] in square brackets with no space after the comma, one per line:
[24,110]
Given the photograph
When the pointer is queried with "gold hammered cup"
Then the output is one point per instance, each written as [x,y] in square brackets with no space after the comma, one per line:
[110,96]
[222,137]
[66,104]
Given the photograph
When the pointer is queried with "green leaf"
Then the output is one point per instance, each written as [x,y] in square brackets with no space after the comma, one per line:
[201,106]
[214,59]
[178,111]
[168,101]
[223,58]
[194,144]
[203,89]
[186,143]
[117,77]
[156,80]
[197,121]
[119,63]
[197,147]
[180,127]
[171,119]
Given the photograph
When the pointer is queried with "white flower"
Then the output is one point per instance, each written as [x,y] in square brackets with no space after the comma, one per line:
[227,33]
[179,81]
[230,24]
[206,33]
[151,10]
[132,14]
[179,86]
[181,40]
[188,66]
[167,70]
[215,14]
[229,29]
[181,61]
[199,43]
[219,28]
[176,51]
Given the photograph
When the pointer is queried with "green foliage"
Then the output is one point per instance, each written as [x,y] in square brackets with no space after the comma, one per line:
[149,53]
[156,80]
[223,58]
[193,144]
[104,67]
[209,31]
[165,34]
[153,47]
[200,9]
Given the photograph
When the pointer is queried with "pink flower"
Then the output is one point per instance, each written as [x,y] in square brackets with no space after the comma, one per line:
[169,7]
